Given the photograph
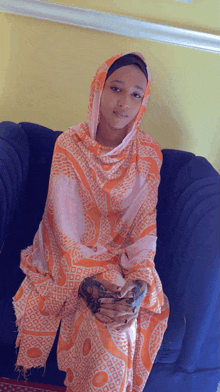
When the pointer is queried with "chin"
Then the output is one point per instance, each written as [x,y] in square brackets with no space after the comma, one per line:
[118,127]
[119,123]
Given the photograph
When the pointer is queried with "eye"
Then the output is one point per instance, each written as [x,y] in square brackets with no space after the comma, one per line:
[115,88]
[137,95]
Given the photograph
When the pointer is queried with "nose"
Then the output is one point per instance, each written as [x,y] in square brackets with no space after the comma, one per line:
[124,102]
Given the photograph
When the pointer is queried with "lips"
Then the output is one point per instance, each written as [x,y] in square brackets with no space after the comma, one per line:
[120,114]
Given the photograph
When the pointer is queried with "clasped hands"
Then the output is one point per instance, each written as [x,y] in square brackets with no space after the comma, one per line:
[115,306]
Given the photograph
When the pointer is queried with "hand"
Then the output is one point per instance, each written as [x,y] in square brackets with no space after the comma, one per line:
[122,314]
[119,307]
[91,290]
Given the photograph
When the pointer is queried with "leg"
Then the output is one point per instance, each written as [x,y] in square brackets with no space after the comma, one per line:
[96,357]
[150,331]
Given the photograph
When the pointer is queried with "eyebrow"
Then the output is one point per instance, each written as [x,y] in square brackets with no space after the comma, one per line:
[120,81]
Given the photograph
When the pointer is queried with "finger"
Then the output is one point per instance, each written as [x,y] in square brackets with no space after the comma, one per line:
[118,301]
[129,294]
[122,319]
[125,300]
[127,303]
[103,319]
[107,300]
[118,307]
[114,314]
[95,292]
[125,322]
[126,288]
[109,286]
[127,325]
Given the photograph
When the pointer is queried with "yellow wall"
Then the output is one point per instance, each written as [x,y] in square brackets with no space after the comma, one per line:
[47,69]
[200,15]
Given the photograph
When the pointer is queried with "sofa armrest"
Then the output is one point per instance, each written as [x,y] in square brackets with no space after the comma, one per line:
[14,167]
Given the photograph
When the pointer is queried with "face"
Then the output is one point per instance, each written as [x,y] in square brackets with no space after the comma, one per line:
[122,97]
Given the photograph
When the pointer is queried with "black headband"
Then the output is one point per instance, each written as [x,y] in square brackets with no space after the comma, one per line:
[127,60]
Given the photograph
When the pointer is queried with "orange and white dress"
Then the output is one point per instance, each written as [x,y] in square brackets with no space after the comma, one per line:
[99,220]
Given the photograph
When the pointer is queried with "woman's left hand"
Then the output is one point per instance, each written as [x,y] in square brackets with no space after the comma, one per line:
[109,307]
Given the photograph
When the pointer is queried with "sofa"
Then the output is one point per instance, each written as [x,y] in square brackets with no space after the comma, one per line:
[186,260]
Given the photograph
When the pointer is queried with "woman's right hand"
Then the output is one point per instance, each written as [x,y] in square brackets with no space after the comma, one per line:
[93,290]
[123,318]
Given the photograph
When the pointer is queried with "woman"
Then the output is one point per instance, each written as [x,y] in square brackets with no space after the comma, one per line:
[91,265]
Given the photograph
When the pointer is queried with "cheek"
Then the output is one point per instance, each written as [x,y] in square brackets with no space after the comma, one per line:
[107,103]
[136,109]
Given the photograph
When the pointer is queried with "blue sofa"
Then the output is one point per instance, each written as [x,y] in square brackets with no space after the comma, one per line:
[186,257]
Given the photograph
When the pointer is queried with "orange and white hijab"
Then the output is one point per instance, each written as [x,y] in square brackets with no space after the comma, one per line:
[100,215]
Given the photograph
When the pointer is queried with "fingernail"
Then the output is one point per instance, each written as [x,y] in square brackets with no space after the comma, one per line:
[129,301]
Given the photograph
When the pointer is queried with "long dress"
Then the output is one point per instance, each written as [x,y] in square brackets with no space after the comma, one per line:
[99,220]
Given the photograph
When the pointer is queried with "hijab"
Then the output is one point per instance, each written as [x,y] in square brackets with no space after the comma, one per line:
[128,59]
[97,86]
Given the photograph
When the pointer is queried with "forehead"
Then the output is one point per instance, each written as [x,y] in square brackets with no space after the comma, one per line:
[129,74]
